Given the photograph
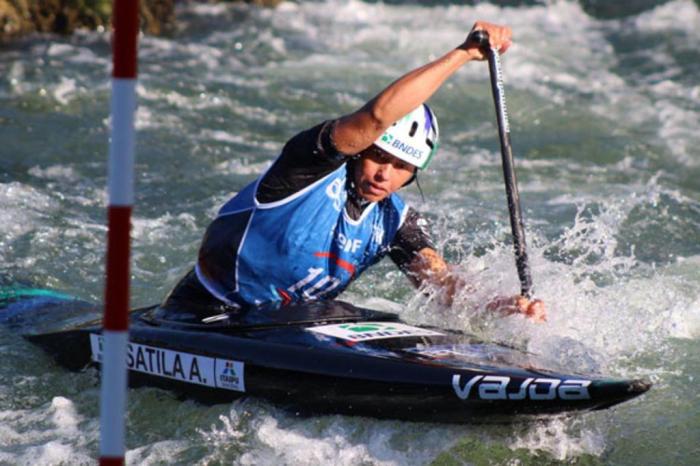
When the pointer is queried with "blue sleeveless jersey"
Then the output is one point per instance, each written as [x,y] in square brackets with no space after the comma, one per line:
[301,248]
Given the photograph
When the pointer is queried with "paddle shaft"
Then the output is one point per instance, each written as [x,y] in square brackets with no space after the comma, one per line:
[512,194]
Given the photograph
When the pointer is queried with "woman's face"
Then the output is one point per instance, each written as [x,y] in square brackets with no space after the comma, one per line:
[379,174]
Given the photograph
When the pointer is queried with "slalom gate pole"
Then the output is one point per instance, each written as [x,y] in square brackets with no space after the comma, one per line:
[512,194]
[125,23]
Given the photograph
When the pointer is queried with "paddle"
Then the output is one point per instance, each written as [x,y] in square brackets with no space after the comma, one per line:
[516,220]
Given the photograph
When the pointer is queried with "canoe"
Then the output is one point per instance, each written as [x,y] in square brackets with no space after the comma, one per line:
[322,357]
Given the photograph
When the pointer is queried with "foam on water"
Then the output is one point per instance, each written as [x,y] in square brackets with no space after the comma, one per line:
[156,453]
[45,436]
[152,231]
[609,227]
[55,172]
[154,242]
[149,119]
[243,167]
[677,15]
[199,101]
[548,437]
[75,54]
[272,437]
[674,99]
[282,445]
[23,207]
[607,303]
[47,73]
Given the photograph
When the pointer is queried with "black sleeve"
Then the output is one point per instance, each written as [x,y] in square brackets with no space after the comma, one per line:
[411,238]
[306,158]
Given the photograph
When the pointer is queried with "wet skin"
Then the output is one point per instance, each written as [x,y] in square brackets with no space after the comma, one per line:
[379,174]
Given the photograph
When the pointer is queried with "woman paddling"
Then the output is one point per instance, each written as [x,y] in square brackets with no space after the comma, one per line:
[327,208]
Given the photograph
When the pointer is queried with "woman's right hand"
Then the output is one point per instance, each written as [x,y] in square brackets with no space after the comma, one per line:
[532,309]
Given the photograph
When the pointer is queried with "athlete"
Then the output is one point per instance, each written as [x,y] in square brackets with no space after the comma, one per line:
[327,208]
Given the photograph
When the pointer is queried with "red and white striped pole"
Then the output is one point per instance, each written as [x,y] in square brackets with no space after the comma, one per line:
[125,23]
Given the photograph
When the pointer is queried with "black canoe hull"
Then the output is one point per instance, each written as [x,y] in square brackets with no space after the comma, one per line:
[336,358]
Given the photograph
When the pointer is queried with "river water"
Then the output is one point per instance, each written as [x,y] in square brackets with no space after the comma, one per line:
[604,109]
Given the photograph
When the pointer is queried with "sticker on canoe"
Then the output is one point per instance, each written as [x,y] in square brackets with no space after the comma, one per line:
[176,365]
[365,331]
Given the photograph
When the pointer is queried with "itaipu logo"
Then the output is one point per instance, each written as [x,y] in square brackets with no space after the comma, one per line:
[229,378]
[228,369]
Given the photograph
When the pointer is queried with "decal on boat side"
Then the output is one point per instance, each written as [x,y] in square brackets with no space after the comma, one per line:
[366,331]
[185,367]
[494,387]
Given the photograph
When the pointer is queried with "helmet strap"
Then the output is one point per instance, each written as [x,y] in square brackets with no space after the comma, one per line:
[413,178]
[420,190]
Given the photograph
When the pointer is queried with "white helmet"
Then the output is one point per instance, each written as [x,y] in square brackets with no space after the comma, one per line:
[413,139]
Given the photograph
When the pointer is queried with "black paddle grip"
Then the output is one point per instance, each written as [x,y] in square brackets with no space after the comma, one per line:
[479,37]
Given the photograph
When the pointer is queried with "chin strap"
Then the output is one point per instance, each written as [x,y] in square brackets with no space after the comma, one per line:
[420,190]
[412,179]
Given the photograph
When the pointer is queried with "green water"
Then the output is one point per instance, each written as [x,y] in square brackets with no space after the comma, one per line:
[604,112]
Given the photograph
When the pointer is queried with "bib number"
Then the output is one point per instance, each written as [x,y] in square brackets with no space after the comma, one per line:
[315,284]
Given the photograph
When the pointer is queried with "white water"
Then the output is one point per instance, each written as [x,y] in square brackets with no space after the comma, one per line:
[604,117]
